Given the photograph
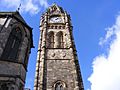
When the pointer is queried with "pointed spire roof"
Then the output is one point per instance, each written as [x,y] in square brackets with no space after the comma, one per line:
[55,9]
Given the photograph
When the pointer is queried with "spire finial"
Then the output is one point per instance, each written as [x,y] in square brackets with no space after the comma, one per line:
[54,4]
[19,7]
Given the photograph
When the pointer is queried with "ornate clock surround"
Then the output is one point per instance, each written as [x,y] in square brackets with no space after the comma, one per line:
[56,19]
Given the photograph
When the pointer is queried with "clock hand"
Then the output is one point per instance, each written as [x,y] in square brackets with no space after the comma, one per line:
[56,18]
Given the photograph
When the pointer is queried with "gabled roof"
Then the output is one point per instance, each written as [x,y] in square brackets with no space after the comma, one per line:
[19,18]
[16,15]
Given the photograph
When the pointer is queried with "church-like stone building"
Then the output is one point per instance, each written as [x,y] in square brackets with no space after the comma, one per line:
[15,46]
[57,65]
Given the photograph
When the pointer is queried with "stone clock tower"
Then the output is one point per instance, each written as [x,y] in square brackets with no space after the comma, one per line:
[57,65]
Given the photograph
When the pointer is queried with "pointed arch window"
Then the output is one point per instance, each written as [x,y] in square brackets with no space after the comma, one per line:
[60,43]
[4,87]
[58,86]
[11,49]
[51,39]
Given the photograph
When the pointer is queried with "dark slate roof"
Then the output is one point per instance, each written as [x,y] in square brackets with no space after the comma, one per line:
[19,18]
[16,15]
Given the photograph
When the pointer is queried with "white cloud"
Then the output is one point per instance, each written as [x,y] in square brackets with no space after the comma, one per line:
[44,3]
[106,69]
[9,3]
[88,89]
[30,6]
[111,31]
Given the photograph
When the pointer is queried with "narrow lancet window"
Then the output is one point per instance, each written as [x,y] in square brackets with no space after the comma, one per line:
[11,48]
[51,40]
[60,43]
[59,86]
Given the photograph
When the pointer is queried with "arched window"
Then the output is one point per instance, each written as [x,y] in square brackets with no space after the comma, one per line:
[60,43]
[58,86]
[4,87]
[51,39]
[11,49]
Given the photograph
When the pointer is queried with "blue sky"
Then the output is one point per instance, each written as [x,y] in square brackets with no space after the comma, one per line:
[96,28]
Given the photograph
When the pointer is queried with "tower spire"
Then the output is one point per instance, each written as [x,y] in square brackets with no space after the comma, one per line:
[57,65]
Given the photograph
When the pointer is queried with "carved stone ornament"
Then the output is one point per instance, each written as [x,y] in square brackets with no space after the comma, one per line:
[52,54]
[64,54]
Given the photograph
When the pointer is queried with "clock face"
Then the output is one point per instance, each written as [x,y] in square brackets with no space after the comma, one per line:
[56,20]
